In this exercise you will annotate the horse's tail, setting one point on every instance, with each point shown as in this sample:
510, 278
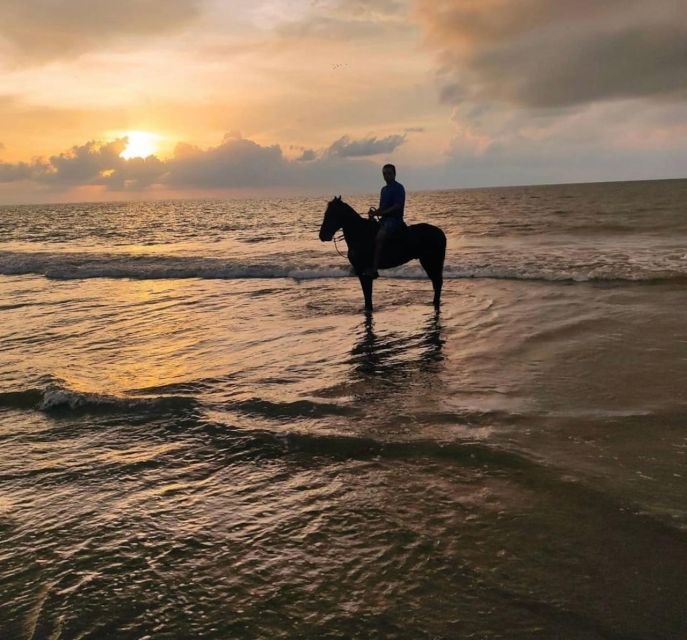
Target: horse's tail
441, 253
429, 244
431, 250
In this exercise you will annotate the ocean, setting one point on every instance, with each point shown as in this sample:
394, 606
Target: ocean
203, 435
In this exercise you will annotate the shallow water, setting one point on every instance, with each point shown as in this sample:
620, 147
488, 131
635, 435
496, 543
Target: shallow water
192, 450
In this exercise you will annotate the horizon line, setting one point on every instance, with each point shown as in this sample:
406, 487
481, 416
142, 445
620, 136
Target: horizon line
354, 194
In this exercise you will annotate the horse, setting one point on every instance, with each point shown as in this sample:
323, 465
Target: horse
424, 242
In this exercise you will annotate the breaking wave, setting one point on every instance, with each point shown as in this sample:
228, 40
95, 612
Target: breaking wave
56, 398
555, 268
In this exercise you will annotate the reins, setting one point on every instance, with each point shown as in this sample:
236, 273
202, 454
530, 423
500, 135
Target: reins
341, 237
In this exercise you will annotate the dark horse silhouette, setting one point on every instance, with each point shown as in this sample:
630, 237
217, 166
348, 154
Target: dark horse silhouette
422, 241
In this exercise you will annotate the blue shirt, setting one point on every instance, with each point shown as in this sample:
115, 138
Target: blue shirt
392, 194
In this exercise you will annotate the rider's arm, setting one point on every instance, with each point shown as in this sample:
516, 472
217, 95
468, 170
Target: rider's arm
389, 211
376, 211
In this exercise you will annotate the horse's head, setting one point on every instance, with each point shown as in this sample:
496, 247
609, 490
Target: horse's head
332, 219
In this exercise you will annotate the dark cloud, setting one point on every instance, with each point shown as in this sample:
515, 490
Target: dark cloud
92, 163
15, 172
242, 163
307, 155
37, 31
236, 163
346, 148
85, 164
134, 174
558, 53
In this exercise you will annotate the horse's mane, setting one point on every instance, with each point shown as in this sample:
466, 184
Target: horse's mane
338, 202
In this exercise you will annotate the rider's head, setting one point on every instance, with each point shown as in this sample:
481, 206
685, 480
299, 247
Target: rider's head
389, 172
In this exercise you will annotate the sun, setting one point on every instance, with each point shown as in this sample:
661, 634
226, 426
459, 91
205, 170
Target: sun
141, 144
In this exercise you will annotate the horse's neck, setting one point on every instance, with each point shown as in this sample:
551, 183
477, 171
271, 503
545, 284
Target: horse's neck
353, 225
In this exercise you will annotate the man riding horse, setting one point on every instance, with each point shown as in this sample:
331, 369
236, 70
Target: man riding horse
369, 248
392, 201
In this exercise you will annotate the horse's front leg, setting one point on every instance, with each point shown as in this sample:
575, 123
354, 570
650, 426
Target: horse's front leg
366, 284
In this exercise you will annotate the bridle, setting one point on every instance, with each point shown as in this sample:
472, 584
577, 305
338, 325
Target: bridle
341, 237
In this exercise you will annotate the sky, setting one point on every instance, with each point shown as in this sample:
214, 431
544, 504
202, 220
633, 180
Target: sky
143, 99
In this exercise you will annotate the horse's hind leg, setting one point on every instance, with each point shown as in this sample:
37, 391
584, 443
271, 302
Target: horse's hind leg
435, 270
366, 284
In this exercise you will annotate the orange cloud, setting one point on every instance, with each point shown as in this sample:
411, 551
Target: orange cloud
37, 31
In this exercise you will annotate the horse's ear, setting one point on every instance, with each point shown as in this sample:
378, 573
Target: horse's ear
339, 197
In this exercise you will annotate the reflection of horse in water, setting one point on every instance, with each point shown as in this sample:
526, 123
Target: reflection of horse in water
394, 356
422, 241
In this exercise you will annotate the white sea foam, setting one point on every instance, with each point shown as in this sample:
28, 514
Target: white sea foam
547, 266
58, 398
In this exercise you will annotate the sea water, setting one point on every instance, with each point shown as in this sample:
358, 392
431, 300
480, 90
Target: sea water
203, 434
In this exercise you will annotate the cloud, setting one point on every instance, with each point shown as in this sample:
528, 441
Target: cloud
234, 164
10, 172
346, 19
37, 31
346, 148
93, 163
134, 174
553, 90
85, 164
593, 144
245, 164
307, 156
550, 54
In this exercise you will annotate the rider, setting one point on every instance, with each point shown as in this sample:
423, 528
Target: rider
392, 201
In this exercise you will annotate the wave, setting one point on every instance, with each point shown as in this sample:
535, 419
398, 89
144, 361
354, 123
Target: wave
618, 275
26, 399
78, 266
56, 398
293, 409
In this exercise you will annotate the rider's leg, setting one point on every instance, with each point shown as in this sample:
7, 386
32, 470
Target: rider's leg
379, 245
